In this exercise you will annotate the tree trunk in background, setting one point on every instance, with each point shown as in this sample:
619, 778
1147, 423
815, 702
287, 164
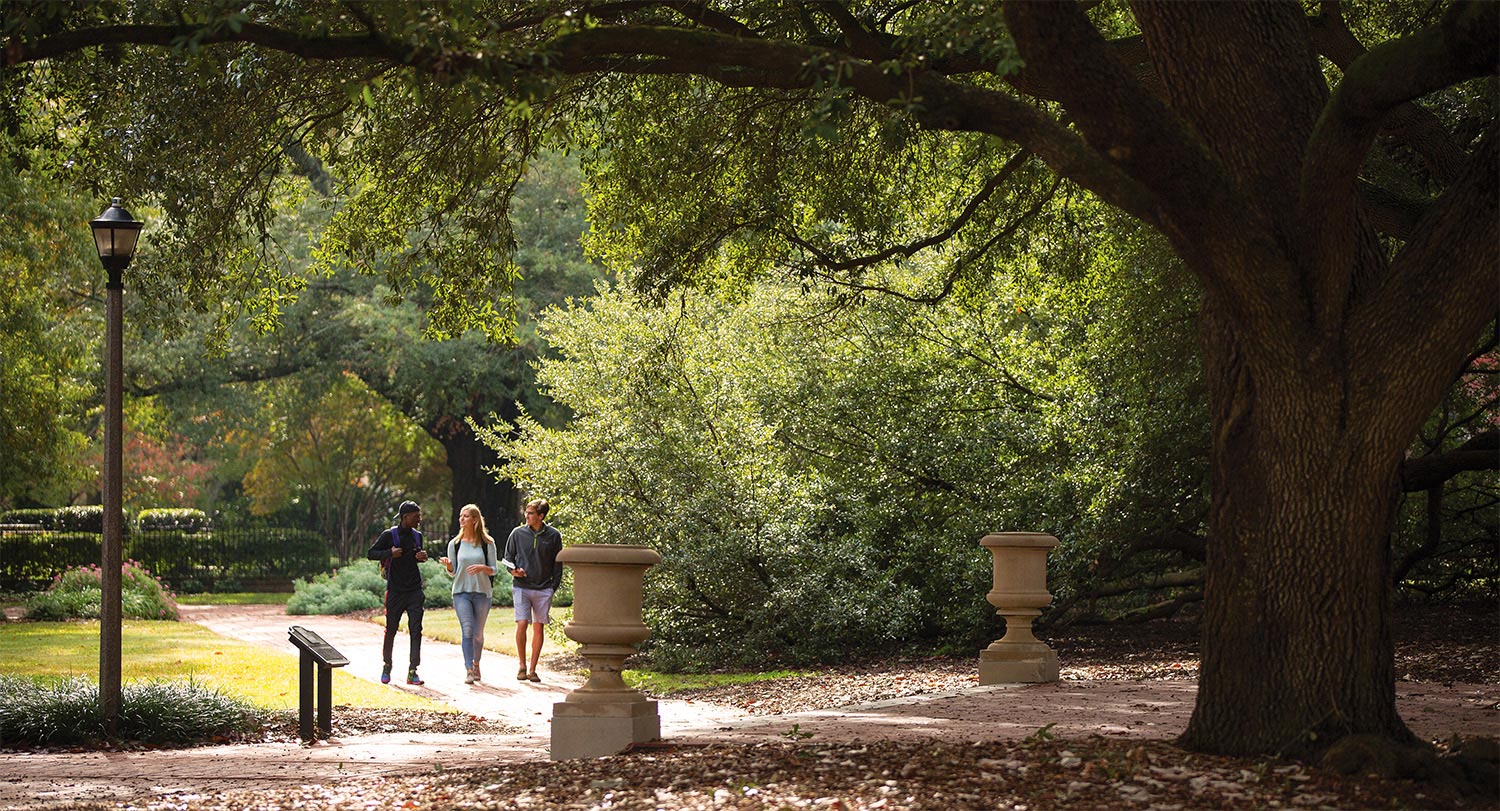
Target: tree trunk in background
498, 501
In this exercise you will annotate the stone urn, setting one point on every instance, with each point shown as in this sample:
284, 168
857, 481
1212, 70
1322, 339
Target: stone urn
1019, 593
605, 716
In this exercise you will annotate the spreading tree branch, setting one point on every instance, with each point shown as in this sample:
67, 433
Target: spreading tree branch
1463, 46
1482, 452
1449, 269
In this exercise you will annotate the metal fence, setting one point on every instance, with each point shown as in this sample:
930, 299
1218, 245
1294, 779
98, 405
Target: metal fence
249, 558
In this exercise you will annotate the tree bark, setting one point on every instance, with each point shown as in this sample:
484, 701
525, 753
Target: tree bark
1297, 648
498, 500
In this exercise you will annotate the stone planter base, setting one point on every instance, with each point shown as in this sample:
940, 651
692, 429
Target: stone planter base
1016, 667
598, 729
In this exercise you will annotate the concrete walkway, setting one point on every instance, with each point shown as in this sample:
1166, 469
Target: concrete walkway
498, 697
1141, 709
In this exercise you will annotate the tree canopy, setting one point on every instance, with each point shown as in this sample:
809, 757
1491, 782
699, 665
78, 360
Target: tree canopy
1330, 184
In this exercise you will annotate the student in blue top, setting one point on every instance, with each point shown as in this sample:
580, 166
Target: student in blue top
472, 561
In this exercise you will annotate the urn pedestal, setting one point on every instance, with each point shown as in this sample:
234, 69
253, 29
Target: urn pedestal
1019, 594
604, 716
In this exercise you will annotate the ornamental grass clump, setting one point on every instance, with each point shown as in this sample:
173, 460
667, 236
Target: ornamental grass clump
50, 711
78, 594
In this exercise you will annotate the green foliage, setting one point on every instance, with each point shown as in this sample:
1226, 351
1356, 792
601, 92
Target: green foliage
359, 586
253, 552
184, 519
47, 358
78, 594
190, 560
796, 733
50, 711
31, 560
437, 584
817, 477
355, 587
329, 440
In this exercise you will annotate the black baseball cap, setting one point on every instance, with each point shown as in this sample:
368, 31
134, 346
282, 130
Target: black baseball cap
408, 507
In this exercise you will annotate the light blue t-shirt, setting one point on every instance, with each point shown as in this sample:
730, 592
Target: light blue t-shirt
466, 555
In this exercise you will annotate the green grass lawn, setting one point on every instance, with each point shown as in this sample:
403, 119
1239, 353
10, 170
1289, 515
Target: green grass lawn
499, 629
236, 598
267, 678
664, 684
500, 637
173, 650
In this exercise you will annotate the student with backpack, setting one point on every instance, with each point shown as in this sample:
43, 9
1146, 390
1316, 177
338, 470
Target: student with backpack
471, 561
399, 550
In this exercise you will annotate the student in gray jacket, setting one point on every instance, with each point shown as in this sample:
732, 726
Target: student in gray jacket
531, 558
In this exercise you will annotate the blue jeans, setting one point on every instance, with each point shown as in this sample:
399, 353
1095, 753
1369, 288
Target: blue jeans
473, 608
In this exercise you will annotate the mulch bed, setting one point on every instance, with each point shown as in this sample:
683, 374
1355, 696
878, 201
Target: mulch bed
1018, 776
1444, 644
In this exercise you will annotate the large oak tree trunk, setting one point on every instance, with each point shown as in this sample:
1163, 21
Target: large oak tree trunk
1297, 648
497, 500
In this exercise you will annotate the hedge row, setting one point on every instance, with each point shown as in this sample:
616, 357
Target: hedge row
201, 561
62, 519
91, 519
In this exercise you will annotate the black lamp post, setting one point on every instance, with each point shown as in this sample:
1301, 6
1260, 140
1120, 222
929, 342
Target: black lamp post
115, 234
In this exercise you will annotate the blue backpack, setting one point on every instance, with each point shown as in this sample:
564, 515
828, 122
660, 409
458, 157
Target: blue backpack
385, 565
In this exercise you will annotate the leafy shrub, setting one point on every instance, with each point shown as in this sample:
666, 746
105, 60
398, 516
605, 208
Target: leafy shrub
359, 587
501, 594
437, 583
40, 518
35, 710
257, 552
189, 585
78, 593
186, 520
355, 587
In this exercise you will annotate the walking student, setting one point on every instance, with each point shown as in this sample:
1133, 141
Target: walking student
399, 549
531, 558
471, 559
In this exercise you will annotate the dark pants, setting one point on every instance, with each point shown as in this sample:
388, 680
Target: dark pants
410, 604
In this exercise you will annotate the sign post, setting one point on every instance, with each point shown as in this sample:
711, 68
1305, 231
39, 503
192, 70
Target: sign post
315, 650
